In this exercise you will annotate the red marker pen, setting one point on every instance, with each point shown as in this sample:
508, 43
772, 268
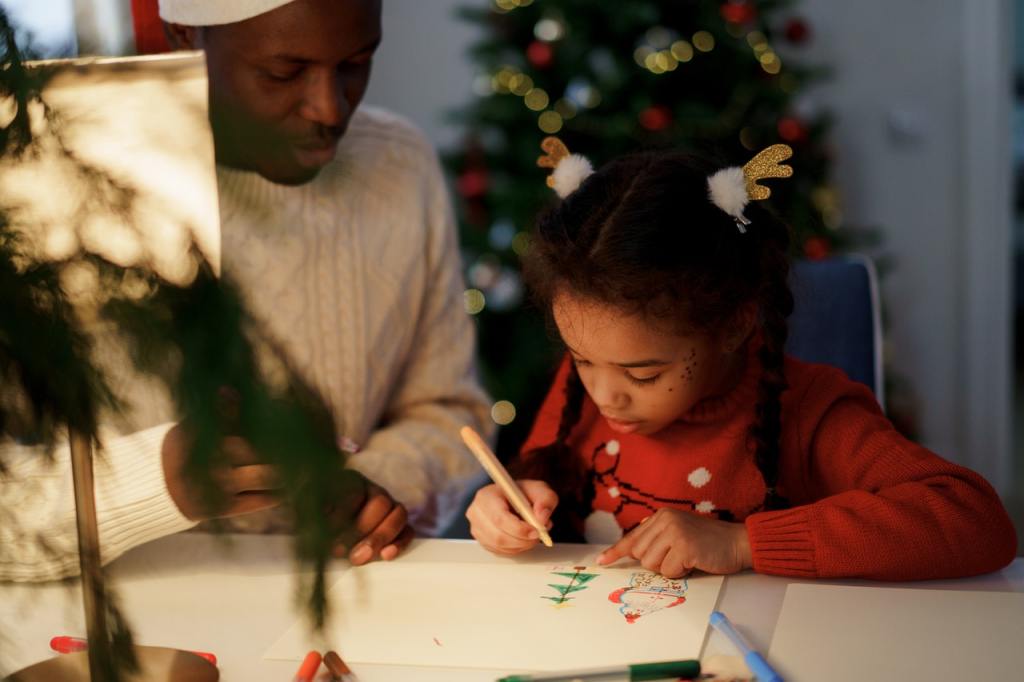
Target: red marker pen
69, 645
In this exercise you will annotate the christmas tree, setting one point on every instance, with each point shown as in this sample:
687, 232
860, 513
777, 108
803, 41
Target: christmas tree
723, 78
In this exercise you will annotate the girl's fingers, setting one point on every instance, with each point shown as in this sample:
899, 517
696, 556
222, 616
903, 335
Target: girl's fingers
495, 510
542, 498
654, 556
620, 549
675, 565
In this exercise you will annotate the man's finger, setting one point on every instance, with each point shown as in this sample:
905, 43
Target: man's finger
377, 507
238, 451
252, 478
401, 542
384, 534
250, 502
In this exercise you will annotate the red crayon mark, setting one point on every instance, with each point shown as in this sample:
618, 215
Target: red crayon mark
437, 642
68, 645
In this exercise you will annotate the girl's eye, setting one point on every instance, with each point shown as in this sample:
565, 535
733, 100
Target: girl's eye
579, 362
643, 381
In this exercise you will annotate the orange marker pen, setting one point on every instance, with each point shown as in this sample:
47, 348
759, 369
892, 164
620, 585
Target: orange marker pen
310, 664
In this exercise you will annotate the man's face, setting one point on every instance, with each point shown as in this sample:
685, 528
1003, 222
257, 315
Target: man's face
284, 84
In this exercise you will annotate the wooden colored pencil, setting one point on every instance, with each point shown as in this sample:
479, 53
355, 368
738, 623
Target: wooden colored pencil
499, 475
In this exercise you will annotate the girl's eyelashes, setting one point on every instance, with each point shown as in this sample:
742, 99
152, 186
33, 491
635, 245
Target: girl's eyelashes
638, 381
643, 381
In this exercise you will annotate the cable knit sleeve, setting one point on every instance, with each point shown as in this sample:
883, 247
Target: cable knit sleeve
868, 503
417, 454
38, 537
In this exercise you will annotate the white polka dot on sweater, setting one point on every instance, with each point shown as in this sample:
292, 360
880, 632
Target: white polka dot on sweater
705, 507
613, 491
612, 448
699, 477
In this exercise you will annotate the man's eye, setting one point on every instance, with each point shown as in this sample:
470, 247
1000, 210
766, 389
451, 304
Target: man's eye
282, 76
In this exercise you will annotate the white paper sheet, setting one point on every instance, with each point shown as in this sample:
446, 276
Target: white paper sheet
851, 634
526, 617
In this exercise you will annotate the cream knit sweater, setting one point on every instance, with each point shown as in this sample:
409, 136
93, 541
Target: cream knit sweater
357, 274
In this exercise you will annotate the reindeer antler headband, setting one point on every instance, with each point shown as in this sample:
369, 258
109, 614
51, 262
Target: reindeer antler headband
730, 189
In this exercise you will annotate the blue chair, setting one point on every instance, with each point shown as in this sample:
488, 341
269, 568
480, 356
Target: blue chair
836, 318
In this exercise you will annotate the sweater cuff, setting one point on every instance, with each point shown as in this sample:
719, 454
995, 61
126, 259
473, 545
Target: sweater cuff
781, 543
133, 505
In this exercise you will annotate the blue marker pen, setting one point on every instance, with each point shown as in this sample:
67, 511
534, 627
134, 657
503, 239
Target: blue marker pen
755, 661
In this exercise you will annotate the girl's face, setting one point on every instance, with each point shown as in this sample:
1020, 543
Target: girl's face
641, 377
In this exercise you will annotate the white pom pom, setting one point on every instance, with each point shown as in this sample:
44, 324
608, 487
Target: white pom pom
570, 173
728, 191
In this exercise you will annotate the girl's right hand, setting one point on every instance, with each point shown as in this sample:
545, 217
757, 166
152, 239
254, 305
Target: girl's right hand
498, 528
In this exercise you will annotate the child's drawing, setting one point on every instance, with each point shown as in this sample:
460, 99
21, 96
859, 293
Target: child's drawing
577, 581
647, 593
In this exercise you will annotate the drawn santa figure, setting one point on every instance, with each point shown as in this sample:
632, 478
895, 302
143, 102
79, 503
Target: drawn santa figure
646, 594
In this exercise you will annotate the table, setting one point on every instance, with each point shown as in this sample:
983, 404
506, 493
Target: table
233, 595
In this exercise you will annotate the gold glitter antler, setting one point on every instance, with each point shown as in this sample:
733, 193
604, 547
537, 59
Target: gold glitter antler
555, 150
767, 164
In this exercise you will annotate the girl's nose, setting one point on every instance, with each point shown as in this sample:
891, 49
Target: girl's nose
608, 395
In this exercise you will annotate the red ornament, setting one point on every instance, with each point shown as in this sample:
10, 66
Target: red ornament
817, 248
797, 31
792, 129
656, 118
473, 183
738, 11
540, 54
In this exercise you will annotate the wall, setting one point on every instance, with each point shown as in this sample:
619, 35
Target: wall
421, 69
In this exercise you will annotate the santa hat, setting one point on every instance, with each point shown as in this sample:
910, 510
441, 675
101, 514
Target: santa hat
213, 12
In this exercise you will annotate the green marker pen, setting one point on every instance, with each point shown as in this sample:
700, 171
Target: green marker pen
687, 670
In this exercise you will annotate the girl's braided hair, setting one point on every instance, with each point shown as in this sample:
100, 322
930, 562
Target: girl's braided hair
642, 235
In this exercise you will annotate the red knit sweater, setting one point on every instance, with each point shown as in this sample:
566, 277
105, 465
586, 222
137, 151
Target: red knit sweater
866, 502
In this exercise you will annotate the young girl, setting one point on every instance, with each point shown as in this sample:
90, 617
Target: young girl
679, 431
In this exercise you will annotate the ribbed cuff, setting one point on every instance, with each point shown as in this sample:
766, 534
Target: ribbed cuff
781, 543
132, 502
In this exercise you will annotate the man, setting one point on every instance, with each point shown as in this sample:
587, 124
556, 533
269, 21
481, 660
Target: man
336, 225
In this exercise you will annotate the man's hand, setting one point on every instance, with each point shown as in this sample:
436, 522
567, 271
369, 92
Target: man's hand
674, 542
499, 529
382, 528
244, 483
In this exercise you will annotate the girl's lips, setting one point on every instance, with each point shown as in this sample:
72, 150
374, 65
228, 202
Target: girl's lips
622, 426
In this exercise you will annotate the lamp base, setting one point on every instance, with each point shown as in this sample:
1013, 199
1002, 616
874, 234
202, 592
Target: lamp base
156, 664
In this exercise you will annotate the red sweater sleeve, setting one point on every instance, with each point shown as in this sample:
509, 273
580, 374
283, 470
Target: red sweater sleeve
869, 503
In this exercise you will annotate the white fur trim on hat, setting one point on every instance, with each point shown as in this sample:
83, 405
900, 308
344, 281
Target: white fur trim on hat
214, 12
570, 174
728, 191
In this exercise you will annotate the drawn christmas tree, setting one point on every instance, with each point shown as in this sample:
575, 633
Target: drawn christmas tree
577, 581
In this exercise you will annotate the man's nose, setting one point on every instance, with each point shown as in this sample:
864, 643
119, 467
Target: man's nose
324, 99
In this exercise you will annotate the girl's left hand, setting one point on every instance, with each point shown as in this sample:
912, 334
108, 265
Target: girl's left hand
674, 542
